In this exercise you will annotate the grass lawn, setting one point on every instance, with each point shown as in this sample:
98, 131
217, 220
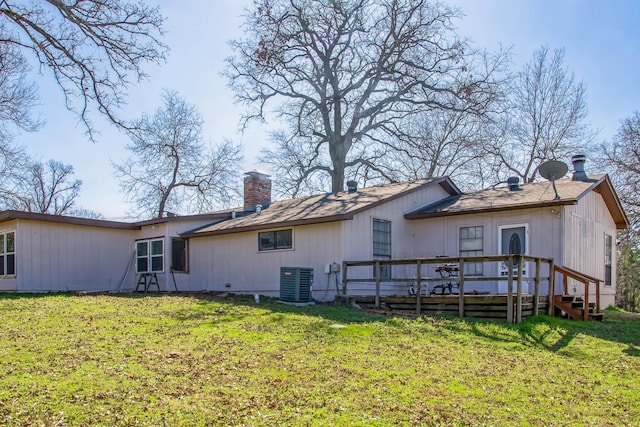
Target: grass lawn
206, 361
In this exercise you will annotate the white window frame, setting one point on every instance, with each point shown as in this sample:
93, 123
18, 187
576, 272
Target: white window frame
478, 267
4, 254
149, 255
504, 269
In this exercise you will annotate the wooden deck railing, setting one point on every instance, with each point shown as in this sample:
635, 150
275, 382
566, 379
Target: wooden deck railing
517, 261
569, 273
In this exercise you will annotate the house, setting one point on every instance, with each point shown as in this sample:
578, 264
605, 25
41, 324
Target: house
55, 253
242, 250
577, 228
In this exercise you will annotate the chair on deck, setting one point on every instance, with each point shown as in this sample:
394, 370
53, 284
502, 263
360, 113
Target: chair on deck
450, 279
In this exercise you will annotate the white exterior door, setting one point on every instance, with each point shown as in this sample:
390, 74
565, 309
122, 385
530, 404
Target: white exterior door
512, 240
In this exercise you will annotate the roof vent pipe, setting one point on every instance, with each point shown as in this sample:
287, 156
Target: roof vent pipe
512, 182
578, 168
352, 186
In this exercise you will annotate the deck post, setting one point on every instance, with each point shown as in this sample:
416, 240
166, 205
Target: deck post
461, 288
552, 287
510, 289
585, 311
536, 291
419, 286
519, 290
344, 278
598, 296
377, 300
565, 284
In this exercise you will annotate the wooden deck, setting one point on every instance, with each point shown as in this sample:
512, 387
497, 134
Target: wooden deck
481, 306
512, 306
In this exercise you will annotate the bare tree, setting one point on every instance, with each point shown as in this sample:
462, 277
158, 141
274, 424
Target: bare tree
545, 120
44, 188
345, 74
438, 143
94, 49
33, 186
171, 169
621, 157
12, 158
17, 94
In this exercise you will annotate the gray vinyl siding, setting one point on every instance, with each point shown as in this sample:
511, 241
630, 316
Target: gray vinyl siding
586, 226
61, 257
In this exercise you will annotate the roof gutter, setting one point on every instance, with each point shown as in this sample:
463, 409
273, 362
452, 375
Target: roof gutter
257, 227
62, 219
437, 214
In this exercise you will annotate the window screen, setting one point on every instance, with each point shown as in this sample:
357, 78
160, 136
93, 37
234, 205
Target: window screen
382, 246
179, 255
471, 244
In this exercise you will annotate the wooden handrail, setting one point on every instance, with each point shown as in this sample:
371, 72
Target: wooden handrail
443, 260
585, 279
574, 274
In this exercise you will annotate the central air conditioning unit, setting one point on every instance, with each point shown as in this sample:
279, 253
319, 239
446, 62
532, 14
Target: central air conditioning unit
296, 284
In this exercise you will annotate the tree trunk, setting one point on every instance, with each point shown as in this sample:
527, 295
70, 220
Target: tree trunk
338, 149
337, 178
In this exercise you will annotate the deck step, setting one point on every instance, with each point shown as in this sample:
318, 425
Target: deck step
573, 307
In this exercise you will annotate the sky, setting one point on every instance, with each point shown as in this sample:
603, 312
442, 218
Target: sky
601, 42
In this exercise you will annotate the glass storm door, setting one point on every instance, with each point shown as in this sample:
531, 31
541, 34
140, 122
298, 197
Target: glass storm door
513, 241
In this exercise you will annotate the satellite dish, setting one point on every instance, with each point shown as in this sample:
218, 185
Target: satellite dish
552, 170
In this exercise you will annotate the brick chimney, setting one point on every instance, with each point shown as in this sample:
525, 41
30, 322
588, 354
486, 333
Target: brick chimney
257, 190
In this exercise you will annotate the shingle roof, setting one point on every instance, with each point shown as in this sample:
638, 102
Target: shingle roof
9, 215
318, 209
532, 195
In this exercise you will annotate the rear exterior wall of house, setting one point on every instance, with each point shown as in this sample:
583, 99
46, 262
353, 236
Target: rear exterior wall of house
237, 263
442, 237
358, 239
53, 257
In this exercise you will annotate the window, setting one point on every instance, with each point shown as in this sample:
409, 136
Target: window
382, 246
149, 256
608, 259
274, 240
7, 253
471, 244
179, 255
